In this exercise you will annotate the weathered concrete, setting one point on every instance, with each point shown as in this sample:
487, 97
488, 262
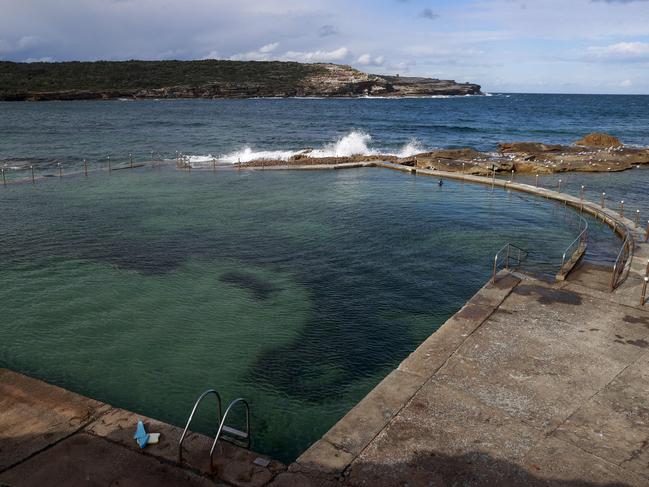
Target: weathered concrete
50, 436
85, 460
35, 415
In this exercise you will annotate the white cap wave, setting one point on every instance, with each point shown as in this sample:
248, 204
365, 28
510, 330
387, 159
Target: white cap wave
355, 143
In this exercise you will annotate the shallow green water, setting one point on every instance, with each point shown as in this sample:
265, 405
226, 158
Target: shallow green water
297, 290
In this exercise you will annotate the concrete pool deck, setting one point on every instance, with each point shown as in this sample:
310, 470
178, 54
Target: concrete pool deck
530, 383
50, 436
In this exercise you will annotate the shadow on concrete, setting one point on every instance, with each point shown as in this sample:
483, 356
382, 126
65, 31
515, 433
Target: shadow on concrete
87, 460
480, 469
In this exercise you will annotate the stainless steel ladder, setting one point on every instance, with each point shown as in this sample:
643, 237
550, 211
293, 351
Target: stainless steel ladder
507, 249
226, 433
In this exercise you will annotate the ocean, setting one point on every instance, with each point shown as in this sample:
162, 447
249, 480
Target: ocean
297, 290
44, 134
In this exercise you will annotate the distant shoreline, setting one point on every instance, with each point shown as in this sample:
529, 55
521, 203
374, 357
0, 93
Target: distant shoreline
209, 79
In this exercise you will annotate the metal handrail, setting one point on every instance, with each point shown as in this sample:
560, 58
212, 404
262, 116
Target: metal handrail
191, 417
222, 425
508, 256
622, 258
582, 239
643, 295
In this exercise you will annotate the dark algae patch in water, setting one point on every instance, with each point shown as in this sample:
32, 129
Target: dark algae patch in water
261, 289
298, 291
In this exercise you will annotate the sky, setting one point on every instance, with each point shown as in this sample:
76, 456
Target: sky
535, 46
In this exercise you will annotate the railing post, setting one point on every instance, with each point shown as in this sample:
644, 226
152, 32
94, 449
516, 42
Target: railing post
622, 208
493, 278
507, 259
152, 156
512, 175
85, 167
537, 180
643, 297
130, 156
213, 163
603, 200
109, 166
646, 235
60, 170
4, 180
637, 218
559, 185
32, 168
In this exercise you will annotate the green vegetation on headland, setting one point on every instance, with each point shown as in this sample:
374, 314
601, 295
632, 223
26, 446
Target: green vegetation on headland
205, 79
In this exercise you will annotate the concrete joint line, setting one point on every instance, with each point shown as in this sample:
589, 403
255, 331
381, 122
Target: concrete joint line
94, 417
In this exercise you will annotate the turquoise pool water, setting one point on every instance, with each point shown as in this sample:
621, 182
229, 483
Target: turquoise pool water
297, 290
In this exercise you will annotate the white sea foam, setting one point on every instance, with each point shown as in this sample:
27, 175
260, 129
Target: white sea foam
355, 143
247, 155
413, 147
201, 159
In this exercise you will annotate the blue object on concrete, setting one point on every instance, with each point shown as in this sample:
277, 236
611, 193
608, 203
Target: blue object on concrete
141, 435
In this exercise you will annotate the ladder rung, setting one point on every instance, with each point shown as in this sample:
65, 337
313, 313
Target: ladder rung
235, 432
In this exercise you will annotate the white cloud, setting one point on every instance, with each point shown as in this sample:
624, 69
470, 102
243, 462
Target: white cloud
620, 52
368, 60
46, 59
268, 52
269, 47
627, 83
318, 56
262, 54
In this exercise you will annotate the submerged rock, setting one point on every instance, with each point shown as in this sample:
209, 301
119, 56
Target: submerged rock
599, 140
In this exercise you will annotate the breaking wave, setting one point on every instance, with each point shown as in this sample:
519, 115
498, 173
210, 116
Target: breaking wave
355, 143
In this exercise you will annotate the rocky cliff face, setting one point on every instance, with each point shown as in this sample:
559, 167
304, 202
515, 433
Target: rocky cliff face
323, 80
345, 81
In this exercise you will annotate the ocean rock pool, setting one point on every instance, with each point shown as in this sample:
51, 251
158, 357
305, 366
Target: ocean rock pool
297, 290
